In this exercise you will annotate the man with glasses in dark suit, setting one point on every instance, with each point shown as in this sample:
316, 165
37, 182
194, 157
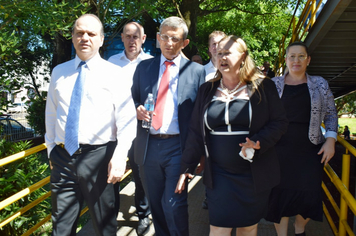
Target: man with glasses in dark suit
174, 82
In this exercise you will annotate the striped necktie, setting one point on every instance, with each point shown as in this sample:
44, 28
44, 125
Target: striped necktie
71, 142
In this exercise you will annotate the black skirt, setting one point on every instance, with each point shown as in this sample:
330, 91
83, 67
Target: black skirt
300, 189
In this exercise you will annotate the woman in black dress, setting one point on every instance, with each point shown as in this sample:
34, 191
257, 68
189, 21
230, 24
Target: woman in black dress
237, 120
303, 150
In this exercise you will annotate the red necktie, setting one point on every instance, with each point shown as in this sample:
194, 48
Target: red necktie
161, 97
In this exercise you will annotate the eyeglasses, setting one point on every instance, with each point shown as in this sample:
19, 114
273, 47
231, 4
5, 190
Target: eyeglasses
166, 38
300, 57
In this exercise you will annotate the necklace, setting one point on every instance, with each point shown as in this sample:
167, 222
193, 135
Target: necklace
228, 90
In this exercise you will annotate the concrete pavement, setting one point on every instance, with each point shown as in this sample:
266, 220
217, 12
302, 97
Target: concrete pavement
198, 217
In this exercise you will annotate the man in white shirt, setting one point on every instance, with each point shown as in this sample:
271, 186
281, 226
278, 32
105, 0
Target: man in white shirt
133, 37
211, 67
102, 138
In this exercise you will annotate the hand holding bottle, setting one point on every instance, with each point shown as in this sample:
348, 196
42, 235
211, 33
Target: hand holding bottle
149, 106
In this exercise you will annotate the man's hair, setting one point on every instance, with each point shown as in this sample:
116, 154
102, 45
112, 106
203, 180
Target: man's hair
216, 33
176, 23
95, 17
136, 24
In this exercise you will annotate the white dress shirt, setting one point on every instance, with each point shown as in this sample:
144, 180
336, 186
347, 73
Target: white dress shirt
170, 123
106, 112
122, 61
210, 71
128, 69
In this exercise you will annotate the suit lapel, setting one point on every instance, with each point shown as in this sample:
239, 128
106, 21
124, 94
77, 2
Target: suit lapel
182, 79
154, 73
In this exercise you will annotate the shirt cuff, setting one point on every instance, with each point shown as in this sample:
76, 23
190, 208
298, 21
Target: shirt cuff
331, 134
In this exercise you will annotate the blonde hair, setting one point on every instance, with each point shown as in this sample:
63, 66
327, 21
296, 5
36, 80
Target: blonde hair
249, 73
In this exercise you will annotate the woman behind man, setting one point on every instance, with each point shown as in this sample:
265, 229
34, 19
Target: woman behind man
236, 111
303, 150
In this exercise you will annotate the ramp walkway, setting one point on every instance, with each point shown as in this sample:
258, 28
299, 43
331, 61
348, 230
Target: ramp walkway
198, 217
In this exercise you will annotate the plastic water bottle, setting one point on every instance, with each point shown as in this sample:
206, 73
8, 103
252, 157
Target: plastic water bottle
150, 106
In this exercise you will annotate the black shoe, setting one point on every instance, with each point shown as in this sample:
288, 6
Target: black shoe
205, 203
143, 226
302, 234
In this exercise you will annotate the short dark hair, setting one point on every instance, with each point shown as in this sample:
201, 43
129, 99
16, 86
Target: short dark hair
298, 43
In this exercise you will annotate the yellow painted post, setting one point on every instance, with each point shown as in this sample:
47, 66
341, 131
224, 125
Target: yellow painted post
345, 177
313, 13
294, 33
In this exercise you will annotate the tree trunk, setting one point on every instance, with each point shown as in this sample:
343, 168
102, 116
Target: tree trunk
190, 11
62, 50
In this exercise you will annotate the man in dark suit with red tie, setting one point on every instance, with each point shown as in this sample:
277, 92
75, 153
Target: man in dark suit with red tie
174, 82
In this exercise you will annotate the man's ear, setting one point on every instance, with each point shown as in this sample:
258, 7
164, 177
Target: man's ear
102, 41
185, 42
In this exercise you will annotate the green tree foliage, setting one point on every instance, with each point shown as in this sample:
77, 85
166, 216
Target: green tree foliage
36, 115
260, 23
27, 32
346, 105
36, 32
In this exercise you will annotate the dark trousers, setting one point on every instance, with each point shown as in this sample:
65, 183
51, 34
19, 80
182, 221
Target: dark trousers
141, 201
161, 172
79, 178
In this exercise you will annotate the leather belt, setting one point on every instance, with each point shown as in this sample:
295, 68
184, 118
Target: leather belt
164, 136
83, 147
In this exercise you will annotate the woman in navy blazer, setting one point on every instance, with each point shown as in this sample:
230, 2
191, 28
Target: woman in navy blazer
238, 185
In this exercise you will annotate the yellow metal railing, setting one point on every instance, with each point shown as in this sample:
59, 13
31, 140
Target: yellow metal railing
347, 200
23, 193
296, 31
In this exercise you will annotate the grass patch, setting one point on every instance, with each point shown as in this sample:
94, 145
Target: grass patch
350, 122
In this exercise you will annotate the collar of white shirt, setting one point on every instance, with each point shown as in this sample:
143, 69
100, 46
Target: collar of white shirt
91, 63
176, 60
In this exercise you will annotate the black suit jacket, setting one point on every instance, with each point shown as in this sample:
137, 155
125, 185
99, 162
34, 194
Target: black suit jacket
145, 80
268, 124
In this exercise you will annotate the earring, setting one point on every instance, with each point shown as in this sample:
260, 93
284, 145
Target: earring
242, 64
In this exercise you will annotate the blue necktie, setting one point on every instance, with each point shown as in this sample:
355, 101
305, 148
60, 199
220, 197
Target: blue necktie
71, 131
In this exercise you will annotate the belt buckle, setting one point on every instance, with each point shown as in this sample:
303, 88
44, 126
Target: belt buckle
79, 151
